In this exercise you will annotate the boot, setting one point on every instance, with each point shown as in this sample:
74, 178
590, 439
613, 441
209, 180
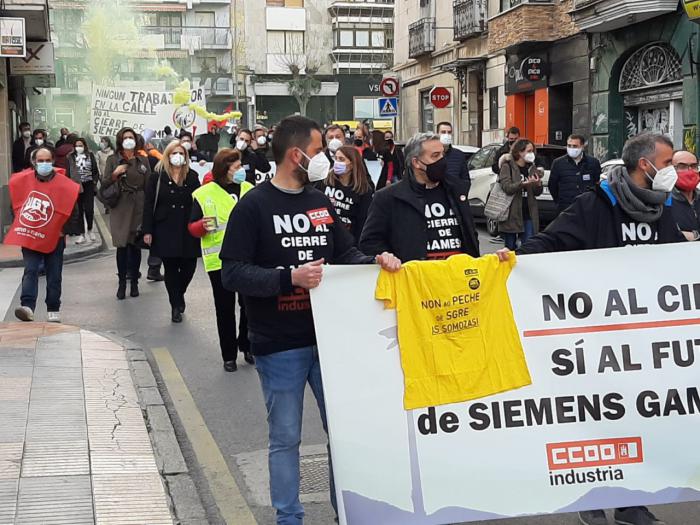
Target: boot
154, 274
134, 292
121, 291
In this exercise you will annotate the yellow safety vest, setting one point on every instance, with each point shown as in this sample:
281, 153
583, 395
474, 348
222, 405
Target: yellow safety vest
216, 202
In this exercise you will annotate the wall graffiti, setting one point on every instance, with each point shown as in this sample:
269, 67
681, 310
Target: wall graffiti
690, 139
631, 122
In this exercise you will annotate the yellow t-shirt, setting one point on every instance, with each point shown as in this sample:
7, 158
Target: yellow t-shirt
457, 334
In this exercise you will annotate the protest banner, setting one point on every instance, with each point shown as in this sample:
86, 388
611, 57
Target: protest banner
115, 107
610, 419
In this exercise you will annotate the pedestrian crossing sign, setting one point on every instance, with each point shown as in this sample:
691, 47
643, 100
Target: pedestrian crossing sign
388, 107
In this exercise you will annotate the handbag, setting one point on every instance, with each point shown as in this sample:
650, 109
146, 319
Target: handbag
139, 231
498, 204
109, 195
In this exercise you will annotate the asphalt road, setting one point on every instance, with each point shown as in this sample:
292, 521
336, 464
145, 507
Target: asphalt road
230, 404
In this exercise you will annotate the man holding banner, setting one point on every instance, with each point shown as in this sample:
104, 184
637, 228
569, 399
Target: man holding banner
631, 207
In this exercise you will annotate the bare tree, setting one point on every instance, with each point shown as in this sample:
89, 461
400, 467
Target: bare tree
303, 67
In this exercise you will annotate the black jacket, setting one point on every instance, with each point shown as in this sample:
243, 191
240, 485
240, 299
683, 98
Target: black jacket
18, 152
168, 222
686, 215
595, 220
457, 165
568, 180
399, 166
252, 160
396, 221
501, 151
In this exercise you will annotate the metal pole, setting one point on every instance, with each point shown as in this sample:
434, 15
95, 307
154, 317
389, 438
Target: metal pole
234, 53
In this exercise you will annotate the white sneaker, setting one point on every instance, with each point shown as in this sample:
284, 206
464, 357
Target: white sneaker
80, 239
53, 317
24, 313
91, 236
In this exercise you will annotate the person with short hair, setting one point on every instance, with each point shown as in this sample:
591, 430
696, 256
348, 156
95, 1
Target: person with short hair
213, 203
39, 139
83, 170
686, 205
260, 136
277, 240
512, 135
424, 216
20, 146
64, 136
252, 157
334, 140
456, 159
167, 138
573, 173
64, 150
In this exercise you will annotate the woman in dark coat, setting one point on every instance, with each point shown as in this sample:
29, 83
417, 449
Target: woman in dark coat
166, 217
131, 172
83, 169
519, 177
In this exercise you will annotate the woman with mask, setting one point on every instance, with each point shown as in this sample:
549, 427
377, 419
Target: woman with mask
82, 168
166, 215
520, 177
212, 206
362, 142
348, 188
686, 205
130, 171
105, 152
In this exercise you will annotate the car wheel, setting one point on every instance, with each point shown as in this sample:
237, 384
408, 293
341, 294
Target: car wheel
492, 227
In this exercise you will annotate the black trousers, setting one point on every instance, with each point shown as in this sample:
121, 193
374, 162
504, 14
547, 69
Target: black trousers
86, 206
225, 304
178, 276
129, 262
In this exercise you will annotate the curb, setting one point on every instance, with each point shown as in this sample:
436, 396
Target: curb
183, 497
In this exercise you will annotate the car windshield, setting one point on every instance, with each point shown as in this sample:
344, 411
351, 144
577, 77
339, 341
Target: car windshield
547, 155
481, 159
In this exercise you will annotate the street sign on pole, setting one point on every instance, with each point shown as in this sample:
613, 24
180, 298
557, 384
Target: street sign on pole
389, 86
388, 107
440, 97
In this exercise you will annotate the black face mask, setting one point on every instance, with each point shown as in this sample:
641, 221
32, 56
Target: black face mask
390, 143
436, 171
358, 142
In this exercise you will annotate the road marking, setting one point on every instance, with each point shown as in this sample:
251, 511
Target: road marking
232, 505
10, 279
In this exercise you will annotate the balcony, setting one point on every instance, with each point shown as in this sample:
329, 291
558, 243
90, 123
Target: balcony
469, 18
191, 37
597, 16
346, 61
362, 12
421, 37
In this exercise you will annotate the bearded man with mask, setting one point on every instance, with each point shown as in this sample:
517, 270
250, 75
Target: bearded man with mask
277, 240
686, 204
424, 216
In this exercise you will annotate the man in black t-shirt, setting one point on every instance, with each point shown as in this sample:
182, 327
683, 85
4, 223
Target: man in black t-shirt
277, 239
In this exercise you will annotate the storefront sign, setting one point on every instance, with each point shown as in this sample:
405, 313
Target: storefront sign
610, 420
38, 61
114, 108
692, 7
13, 39
526, 74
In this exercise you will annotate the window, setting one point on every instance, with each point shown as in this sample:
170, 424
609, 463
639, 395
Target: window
204, 19
427, 118
149, 19
377, 39
361, 38
346, 39
365, 108
285, 42
493, 108
285, 3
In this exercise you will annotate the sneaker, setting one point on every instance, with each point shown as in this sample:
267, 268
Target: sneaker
91, 237
53, 317
593, 517
636, 516
80, 239
24, 313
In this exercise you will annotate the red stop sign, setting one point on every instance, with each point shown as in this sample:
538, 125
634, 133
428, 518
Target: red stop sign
440, 97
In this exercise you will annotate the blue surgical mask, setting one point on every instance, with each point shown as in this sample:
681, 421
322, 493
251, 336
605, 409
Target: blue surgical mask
44, 168
339, 168
239, 176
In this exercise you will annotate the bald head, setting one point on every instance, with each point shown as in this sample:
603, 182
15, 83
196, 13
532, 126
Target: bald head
683, 160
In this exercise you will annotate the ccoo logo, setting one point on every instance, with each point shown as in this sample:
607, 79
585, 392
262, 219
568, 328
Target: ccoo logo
37, 210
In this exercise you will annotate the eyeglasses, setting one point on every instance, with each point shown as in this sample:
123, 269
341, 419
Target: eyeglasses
682, 166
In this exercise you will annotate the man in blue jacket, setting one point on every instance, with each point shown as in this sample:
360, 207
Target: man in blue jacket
573, 173
456, 159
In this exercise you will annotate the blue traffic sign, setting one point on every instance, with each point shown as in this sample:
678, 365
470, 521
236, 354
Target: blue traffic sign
388, 107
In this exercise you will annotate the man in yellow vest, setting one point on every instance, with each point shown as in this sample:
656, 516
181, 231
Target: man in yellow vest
213, 204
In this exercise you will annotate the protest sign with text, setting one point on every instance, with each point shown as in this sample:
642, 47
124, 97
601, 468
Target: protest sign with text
611, 418
116, 107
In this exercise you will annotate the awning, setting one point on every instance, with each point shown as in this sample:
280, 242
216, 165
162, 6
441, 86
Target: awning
161, 7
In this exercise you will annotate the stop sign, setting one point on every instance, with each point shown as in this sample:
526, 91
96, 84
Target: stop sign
440, 97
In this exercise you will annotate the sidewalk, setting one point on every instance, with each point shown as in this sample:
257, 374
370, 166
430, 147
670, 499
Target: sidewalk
11, 256
74, 448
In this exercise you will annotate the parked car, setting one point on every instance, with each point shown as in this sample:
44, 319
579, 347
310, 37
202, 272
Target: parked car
483, 178
467, 150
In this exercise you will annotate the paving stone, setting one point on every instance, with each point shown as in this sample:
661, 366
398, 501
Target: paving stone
121, 498
55, 500
15, 388
143, 375
58, 357
8, 500
150, 396
55, 458
185, 498
136, 355
119, 463
13, 415
168, 454
64, 341
10, 460
15, 371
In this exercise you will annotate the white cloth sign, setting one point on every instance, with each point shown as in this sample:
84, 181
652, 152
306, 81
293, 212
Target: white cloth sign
610, 420
114, 108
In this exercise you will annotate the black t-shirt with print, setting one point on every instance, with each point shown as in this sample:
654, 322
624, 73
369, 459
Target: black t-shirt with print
274, 229
443, 229
351, 207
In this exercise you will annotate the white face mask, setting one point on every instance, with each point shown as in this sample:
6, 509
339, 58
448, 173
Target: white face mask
79, 150
26, 134
574, 153
177, 159
262, 140
446, 139
664, 180
241, 145
334, 145
129, 144
39, 142
529, 157
187, 146
318, 167
104, 145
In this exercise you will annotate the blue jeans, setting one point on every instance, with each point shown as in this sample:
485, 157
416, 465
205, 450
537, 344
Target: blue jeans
511, 239
53, 262
283, 377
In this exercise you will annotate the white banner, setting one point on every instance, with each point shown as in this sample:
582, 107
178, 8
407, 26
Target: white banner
610, 420
114, 108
